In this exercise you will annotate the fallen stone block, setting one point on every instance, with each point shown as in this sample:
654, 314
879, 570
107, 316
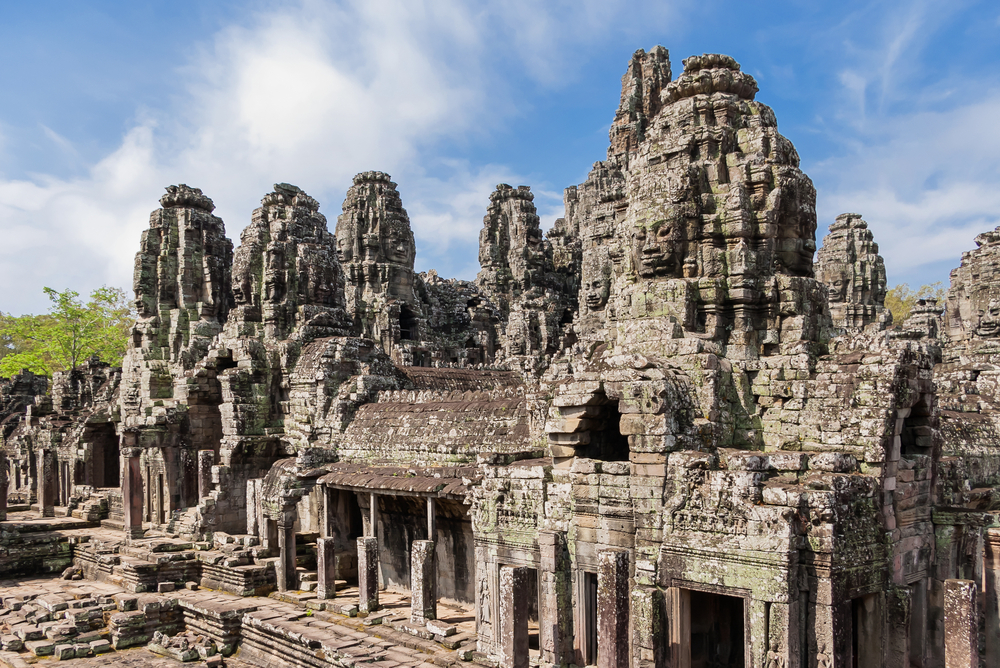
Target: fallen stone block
439, 628
63, 652
126, 603
11, 643
100, 646
40, 647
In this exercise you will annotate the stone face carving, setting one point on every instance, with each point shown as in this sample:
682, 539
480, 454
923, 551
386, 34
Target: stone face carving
285, 272
375, 245
971, 310
534, 295
854, 272
715, 223
181, 278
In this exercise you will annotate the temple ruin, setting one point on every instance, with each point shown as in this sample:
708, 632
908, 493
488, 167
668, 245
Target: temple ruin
658, 435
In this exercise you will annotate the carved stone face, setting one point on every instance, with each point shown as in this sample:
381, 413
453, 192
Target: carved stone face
656, 249
838, 288
989, 322
396, 246
596, 292
344, 251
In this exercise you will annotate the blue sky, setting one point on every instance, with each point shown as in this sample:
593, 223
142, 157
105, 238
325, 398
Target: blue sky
894, 108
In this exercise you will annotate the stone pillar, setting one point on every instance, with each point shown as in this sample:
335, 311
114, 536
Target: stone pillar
4, 484
555, 625
431, 519
132, 493
328, 524
373, 514
513, 617
649, 626
368, 574
254, 527
206, 459
286, 557
612, 609
961, 624
991, 598
47, 482
423, 582
679, 626
326, 568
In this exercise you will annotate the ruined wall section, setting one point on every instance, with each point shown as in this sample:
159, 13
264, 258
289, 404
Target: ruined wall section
642, 84
968, 376
75, 428
16, 394
854, 273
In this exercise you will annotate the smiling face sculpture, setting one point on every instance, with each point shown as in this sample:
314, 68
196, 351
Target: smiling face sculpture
657, 249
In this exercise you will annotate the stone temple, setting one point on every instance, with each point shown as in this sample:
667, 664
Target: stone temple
667, 432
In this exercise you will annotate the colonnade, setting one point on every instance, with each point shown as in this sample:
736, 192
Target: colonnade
423, 565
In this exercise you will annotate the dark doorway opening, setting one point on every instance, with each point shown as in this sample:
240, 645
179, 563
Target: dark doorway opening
916, 436
533, 618
105, 458
407, 324
866, 638
607, 442
590, 618
718, 636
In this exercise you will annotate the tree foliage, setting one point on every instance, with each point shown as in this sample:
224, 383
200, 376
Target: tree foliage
68, 334
900, 299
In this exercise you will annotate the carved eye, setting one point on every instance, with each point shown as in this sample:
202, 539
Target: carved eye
663, 232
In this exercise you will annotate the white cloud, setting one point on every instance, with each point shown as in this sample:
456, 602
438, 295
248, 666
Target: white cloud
925, 182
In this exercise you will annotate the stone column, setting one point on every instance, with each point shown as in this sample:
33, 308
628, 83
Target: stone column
373, 513
286, 557
206, 459
368, 574
649, 626
326, 568
431, 519
961, 624
555, 626
328, 524
254, 527
612, 609
423, 582
132, 493
4, 484
47, 481
991, 576
513, 617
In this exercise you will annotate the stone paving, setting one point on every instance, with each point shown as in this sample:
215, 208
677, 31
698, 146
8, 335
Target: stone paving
275, 634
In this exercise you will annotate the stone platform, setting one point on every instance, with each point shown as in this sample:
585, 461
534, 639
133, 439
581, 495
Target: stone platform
48, 618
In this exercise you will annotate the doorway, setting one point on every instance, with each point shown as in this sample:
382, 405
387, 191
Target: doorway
590, 618
718, 635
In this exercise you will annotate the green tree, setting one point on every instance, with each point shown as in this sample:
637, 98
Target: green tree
69, 333
900, 298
